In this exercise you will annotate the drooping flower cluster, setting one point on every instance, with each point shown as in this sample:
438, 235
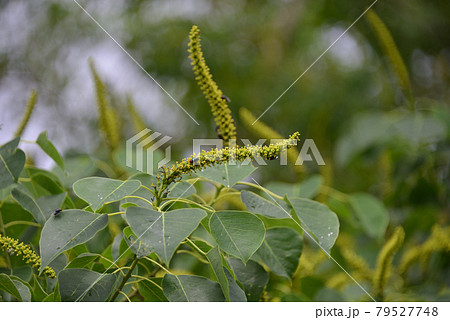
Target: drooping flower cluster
31, 103
108, 119
13, 246
226, 128
439, 240
384, 261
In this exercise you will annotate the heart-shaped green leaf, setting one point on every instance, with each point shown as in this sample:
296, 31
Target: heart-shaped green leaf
163, 231
317, 219
85, 285
281, 251
66, 230
238, 233
187, 288
99, 191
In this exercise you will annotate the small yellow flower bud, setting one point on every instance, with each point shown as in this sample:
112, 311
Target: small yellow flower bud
13, 246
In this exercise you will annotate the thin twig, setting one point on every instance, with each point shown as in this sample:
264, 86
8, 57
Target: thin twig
125, 279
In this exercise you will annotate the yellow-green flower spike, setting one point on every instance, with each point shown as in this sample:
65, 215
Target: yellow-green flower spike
216, 156
338, 281
226, 128
390, 49
437, 241
12, 246
358, 264
136, 118
384, 262
108, 119
27, 114
263, 131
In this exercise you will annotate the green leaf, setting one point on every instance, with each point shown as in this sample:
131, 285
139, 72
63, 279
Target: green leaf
39, 293
317, 219
29, 204
76, 168
58, 264
252, 276
99, 191
47, 183
82, 260
238, 233
142, 193
226, 174
24, 273
50, 149
371, 129
270, 223
7, 285
66, 230
147, 181
139, 248
200, 243
75, 285
152, 291
49, 204
23, 287
12, 161
236, 293
305, 189
259, 205
163, 231
371, 212
310, 187
281, 251
42, 208
41, 182
181, 190
50, 298
122, 251
12, 211
215, 260
187, 288
119, 247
